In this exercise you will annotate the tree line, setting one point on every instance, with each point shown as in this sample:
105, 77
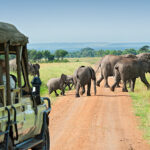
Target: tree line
47, 56
89, 52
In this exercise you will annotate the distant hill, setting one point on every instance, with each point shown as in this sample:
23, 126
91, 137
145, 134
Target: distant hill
77, 46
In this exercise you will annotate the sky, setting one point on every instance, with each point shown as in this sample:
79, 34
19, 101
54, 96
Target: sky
79, 20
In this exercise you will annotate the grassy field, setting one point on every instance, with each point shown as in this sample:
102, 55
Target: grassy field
90, 60
141, 104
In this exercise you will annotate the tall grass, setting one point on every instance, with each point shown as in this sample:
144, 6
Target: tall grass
141, 104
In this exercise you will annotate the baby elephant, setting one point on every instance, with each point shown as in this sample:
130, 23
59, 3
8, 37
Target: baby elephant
57, 83
83, 76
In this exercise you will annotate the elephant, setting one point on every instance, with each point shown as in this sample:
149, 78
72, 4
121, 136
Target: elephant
106, 66
69, 82
129, 69
33, 69
129, 56
57, 83
143, 56
83, 76
13, 66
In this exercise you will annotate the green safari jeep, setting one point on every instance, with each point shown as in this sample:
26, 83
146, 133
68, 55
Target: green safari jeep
24, 114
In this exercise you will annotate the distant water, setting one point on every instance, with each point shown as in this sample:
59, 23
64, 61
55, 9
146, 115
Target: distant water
78, 46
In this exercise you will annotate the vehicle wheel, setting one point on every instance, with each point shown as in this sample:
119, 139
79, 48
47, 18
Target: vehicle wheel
46, 143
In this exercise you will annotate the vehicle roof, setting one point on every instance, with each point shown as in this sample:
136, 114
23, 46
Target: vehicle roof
9, 33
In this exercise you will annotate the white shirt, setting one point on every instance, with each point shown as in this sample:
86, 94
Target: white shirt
12, 82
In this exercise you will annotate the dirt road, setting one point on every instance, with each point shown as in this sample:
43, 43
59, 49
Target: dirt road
102, 122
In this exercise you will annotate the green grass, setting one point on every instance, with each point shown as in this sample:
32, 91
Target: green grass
141, 104
90, 60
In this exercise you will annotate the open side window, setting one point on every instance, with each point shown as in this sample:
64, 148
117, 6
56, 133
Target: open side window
16, 82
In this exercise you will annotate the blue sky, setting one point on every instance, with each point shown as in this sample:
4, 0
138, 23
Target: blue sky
79, 20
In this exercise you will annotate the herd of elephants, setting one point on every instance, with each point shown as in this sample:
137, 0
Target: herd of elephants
125, 68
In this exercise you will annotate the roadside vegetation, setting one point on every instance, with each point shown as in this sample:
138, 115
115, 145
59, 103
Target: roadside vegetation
141, 104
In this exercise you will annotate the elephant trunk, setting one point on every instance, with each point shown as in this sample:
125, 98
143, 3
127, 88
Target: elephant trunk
94, 86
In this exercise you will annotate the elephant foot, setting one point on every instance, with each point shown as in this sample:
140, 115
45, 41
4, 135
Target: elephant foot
107, 86
88, 94
124, 90
82, 92
98, 84
132, 90
118, 86
77, 95
57, 95
112, 89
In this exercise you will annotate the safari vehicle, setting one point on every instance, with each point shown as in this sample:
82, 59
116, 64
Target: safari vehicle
23, 113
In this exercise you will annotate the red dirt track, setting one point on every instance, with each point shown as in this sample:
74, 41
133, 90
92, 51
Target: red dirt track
102, 122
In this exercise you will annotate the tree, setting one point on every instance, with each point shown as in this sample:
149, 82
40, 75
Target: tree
47, 55
144, 48
87, 52
60, 53
130, 51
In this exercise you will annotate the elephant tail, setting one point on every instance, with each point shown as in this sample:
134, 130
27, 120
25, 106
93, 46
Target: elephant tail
99, 65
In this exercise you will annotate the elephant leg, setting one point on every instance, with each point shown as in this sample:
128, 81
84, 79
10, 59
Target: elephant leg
63, 91
77, 89
106, 85
99, 81
69, 86
118, 84
56, 93
124, 89
132, 84
117, 81
83, 90
50, 91
88, 89
143, 79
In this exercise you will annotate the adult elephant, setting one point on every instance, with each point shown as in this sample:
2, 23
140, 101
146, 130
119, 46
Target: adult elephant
130, 69
83, 76
33, 69
57, 83
106, 66
143, 56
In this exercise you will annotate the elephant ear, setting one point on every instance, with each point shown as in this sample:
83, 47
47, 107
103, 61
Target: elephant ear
63, 77
92, 73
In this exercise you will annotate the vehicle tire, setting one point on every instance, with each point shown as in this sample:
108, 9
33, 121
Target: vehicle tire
46, 143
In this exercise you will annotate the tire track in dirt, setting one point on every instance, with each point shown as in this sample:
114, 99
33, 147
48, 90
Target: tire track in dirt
102, 122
